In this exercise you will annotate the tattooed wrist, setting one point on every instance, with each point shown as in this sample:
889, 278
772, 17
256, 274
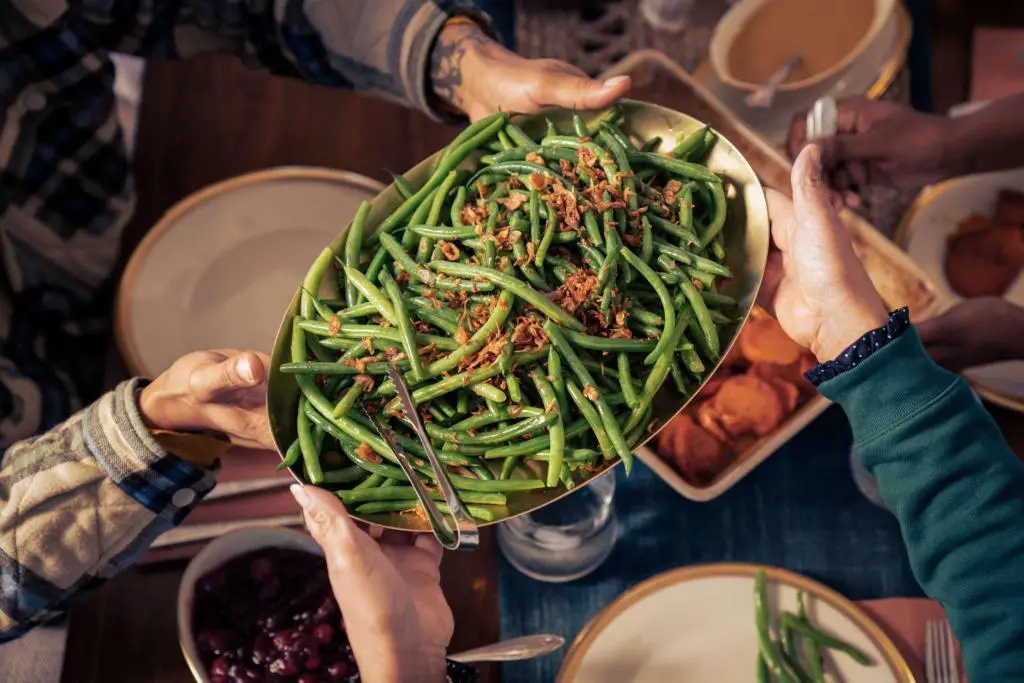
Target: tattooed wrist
448, 61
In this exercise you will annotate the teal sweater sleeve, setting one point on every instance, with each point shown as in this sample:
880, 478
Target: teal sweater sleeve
957, 489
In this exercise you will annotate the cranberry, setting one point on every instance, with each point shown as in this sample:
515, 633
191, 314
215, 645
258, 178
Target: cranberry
323, 633
312, 664
261, 569
220, 667
285, 666
340, 670
222, 641
263, 649
309, 678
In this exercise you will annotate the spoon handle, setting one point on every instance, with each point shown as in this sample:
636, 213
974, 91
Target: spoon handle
513, 650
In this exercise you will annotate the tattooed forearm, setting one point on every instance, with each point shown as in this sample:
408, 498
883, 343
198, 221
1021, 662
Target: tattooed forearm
446, 61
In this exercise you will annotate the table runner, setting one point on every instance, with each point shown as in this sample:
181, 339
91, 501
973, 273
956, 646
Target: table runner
799, 510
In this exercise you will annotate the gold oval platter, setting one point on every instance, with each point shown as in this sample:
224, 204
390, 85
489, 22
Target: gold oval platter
746, 237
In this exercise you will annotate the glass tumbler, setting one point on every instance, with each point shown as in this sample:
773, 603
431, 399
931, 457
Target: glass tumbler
566, 540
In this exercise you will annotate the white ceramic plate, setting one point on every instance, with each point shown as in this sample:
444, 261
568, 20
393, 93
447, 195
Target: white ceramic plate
923, 232
222, 264
697, 624
869, 74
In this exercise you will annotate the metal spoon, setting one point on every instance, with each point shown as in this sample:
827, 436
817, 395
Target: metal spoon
822, 119
512, 650
764, 96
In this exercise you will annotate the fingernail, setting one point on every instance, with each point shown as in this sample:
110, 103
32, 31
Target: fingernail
244, 369
301, 497
814, 159
617, 80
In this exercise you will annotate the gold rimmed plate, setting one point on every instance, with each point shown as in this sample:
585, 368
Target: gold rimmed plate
923, 233
746, 235
697, 624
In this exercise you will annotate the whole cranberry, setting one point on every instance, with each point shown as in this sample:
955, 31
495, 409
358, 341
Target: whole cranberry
263, 649
309, 678
340, 670
285, 640
220, 667
327, 609
222, 641
261, 569
323, 633
312, 664
285, 666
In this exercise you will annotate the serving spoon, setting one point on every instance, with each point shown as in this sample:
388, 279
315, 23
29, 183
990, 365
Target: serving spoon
512, 650
764, 96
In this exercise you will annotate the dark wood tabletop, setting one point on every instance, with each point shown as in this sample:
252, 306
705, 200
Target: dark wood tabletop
201, 122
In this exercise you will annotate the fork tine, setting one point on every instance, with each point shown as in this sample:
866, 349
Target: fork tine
954, 669
929, 652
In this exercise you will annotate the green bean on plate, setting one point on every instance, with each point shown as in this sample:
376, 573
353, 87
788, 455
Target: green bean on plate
509, 304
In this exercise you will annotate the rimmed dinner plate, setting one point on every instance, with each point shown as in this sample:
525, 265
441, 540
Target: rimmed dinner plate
222, 264
923, 234
697, 624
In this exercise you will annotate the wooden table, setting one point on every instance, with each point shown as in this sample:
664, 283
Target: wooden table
189, 137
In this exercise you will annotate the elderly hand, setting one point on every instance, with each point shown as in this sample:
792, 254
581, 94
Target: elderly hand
477, 76
815, 285
223, 390
975, 332
390, 595
880, 143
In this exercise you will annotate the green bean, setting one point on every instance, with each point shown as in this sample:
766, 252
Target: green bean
488, 392
687, 143
718, 217
592, 418
401, 492
506, 143
811, 650
592, 228
523, 168
516, 134
498, 316
419, 216
587, 341
353, 245
457, 204
375, 332
764, 639
404, 187
626, 380
656, 377
545, 242
688, 236
717, 300
405, 328
310, 452
824, 640
514, 285
515, 394
762, 670
703, 318
618, 134
363, 310
423, 273
372, 481
790, 659
526, 268
348, 400
503, 413
556, 430
449, 161
426, 245
291, 456
684, 169
376, 264
611, 425
507, 467
572, 455
666, 301
647, 317
536, 444
346, 475
443, 232
557, 379
651, 145
611, 171
380, 507
442, 318
690, 259
372, 294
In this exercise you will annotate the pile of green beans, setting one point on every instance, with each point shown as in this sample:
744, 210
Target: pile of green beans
536, 293
796, 657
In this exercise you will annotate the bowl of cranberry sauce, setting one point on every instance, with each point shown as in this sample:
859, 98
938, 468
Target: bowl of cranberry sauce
256, 606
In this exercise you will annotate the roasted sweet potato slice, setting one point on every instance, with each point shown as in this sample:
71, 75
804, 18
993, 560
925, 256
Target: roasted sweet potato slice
791, 374
710, 420
984, 262
763, 341
697, 455
747, 403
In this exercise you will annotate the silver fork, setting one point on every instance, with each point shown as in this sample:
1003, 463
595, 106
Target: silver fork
940, 653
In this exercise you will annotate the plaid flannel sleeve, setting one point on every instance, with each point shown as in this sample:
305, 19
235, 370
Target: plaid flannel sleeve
381, 47
81, 502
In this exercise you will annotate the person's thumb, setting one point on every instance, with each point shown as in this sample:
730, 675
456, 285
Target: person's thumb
220, 381
579, 92
812, 199
327, 521
846, 147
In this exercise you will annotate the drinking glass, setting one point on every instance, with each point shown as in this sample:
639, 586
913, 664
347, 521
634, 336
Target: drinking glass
566, 540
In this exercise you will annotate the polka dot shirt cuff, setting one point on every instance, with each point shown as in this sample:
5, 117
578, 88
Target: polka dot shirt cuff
860, 350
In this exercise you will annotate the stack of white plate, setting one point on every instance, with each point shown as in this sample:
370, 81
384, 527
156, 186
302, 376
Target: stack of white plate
869, 70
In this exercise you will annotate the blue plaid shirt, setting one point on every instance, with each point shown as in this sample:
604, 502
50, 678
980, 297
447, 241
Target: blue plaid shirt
82, 500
